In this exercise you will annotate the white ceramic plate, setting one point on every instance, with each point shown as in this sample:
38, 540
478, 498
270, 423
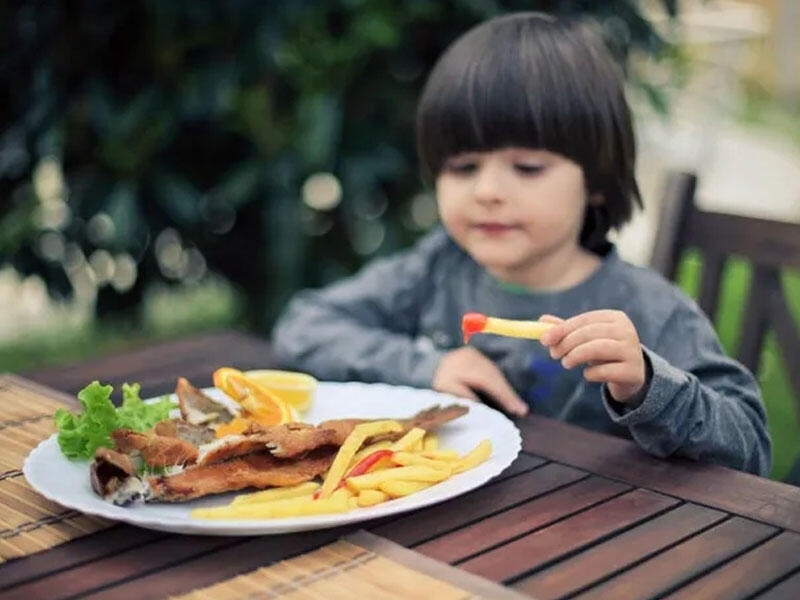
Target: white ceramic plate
67, 482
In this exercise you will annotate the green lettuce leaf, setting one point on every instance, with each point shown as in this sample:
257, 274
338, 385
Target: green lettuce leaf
135, 414
79, 435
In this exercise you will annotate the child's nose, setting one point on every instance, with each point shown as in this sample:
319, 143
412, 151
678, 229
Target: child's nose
489, 185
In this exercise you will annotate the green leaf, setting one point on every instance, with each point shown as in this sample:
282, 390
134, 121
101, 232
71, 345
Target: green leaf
80, 435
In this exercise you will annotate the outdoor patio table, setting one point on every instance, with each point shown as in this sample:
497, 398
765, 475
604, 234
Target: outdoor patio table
579, 514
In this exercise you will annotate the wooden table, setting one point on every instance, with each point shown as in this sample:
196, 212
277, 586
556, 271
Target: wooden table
579, 514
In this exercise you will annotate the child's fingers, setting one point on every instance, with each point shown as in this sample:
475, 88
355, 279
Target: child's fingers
616, 372
551, 319
601, 351
496, 386
587, 333
563, 328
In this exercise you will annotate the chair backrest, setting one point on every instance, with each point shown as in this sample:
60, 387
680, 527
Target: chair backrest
767, 245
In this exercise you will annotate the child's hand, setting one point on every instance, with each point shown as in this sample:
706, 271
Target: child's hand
604, 340
465, 370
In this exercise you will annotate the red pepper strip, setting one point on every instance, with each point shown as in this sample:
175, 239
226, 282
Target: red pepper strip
472, 323
363, 466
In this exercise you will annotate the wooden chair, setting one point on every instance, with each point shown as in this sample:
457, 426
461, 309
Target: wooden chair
769, 246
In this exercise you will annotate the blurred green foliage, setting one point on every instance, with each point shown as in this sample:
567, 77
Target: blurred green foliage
150, 142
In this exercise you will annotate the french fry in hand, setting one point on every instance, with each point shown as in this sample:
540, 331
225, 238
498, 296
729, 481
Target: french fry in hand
278, 493
473, 323
414, 473
398, 489
349, 448
473, 458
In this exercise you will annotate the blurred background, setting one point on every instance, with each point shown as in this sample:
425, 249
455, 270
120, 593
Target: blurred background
172, 167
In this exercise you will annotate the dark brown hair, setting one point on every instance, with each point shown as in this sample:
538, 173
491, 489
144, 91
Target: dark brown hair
531, 80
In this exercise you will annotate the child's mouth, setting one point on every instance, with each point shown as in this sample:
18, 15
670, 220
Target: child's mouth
494, 229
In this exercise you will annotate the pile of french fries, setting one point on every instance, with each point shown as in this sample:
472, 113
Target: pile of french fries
360, 476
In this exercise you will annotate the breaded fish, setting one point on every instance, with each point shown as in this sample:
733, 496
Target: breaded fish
198, 408
293, 439
259, 470
156, 450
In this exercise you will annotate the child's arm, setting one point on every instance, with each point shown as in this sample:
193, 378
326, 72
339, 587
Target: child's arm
697, 402
365, 327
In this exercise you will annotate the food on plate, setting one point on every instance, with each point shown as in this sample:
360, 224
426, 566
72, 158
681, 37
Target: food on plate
79, 435
258, 403
294, 388
177, 460
472, 323
378, 477
198, 408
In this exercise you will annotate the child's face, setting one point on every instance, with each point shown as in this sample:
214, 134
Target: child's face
514, 210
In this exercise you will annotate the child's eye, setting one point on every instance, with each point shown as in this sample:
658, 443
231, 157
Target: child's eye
461, 167
528, 169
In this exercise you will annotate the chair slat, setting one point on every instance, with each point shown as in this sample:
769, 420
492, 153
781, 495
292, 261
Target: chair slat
756, 317
788, 340
710, 283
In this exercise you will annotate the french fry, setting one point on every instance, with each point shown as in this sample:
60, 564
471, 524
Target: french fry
289, 507
371, 497
349, 448
279, 493
474, 457
430, 442
366, 450
448, 455
472, 323
373, 480
409, 458
397, 489
405, 443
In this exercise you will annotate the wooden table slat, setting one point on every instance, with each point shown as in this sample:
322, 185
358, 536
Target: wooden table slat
749, 573
434, 521
732, 491
82, 550
672, 568
539, 548
523, 518
787, 589
574, 574
129, 563
211, 567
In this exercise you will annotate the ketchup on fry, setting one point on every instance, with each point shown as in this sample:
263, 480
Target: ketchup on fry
363, 466
472, 323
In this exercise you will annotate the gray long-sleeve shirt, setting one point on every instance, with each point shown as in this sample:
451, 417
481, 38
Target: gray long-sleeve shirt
394, 320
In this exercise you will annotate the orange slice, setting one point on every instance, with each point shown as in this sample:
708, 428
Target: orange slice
236, 426
259, 404
295, 388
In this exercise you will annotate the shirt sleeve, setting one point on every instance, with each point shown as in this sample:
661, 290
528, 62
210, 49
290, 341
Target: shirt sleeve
700, 403
365, 327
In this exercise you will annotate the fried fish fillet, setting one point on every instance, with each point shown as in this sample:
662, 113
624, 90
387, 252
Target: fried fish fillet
156, 450
114, 477
258, 470
293, 439
198, 408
